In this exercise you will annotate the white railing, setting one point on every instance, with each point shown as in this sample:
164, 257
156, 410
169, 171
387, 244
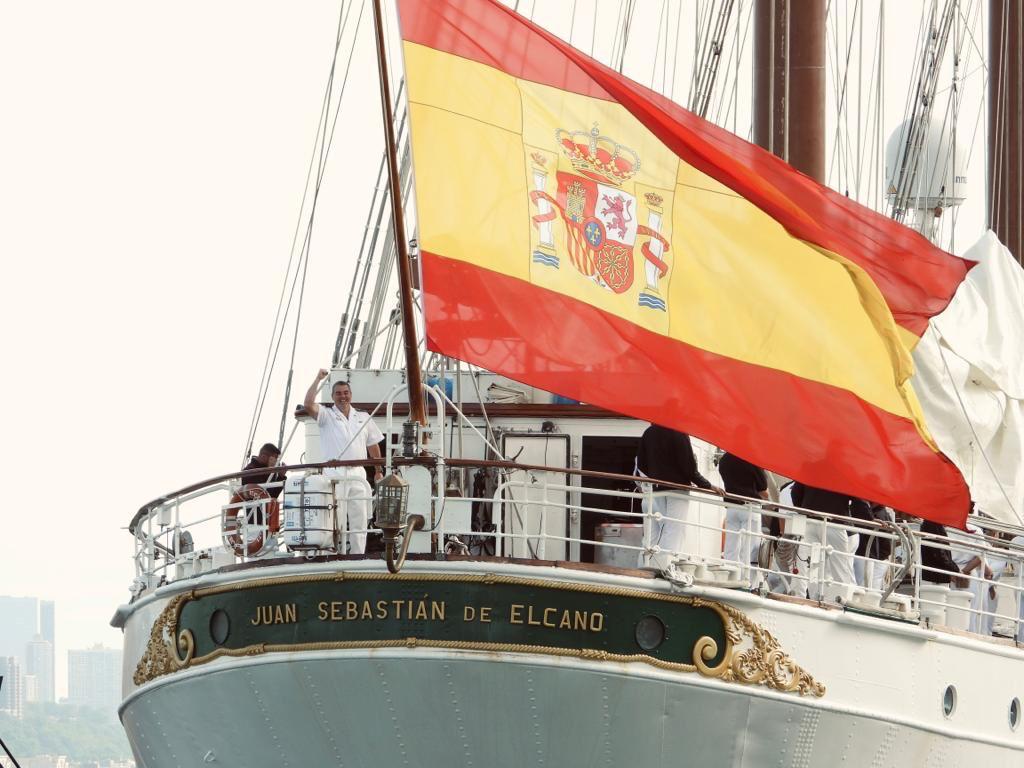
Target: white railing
815, 557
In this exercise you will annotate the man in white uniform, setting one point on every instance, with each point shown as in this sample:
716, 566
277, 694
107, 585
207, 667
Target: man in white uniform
974, 564
346, 434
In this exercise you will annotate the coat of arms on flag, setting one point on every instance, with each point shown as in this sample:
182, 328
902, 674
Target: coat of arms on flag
594, 217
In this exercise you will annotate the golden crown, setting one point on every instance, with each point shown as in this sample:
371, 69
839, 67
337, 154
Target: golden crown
597, 156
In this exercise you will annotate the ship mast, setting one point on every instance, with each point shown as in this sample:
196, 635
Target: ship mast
412, 360
1006, 123
789, 82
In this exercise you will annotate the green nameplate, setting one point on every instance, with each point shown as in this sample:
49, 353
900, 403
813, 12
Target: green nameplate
466, 612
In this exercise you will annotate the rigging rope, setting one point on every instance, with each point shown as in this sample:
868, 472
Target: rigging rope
267, 364
324, 153
350, 321
711, 56
911, 151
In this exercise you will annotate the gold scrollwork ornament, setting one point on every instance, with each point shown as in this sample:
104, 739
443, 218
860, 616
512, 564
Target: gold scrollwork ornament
161, 656
763, 662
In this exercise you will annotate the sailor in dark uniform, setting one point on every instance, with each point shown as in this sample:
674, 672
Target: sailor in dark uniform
742, 522
666, 454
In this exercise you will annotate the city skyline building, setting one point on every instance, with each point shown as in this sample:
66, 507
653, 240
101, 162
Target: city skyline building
12, 687
25, 622
40, 664
94, 677
48, 621
30, 688
19, 623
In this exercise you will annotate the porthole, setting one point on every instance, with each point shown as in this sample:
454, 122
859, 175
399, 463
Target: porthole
949, 701
220, 626
650, 632
1014, 713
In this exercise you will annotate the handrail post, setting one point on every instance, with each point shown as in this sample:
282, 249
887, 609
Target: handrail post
647, 507
544, 518
918, 570
1017, 604
823, 561
151, 565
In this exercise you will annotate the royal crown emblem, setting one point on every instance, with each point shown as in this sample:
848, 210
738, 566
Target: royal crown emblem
604, 222
598, 157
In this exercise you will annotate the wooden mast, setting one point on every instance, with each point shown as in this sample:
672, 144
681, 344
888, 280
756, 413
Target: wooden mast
789, 82
412, 359
1006, 122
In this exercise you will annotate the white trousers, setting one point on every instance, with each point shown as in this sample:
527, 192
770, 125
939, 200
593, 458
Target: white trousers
674, 533
351, 482
742, 535
870, 573
838, 564
979, 599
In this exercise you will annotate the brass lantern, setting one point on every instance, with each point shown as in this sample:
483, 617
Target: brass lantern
392, 505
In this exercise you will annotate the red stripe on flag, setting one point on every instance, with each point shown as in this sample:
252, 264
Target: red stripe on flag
559, 344
917, 279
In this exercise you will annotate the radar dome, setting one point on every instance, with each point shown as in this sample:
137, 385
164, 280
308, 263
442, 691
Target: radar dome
938, 178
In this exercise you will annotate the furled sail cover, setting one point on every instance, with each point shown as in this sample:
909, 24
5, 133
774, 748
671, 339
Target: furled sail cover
582, 234
970, 378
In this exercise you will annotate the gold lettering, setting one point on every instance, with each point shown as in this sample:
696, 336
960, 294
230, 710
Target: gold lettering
485, 614
321, 611
546, 624
409, 603
398, 608
290, 613
336, 610
351, 610
468, 613
566, 622
278, 615
256, 620
421, 610
436, 610
515, 614
579, 620
367, 611
529, 617
268, 614
382, 609
596, 622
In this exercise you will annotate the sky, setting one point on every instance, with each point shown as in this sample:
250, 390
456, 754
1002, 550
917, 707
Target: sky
153, 158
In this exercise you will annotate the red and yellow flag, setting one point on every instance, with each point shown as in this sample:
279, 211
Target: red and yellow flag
587, 236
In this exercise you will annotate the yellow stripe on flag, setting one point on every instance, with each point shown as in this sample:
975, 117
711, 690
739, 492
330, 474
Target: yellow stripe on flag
738, 284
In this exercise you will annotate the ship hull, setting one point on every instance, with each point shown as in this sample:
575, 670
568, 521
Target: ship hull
411, 704
429, 708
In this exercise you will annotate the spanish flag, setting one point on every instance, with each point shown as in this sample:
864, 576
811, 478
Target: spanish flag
584, 235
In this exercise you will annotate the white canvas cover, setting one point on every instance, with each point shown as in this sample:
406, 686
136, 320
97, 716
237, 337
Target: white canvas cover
970, 380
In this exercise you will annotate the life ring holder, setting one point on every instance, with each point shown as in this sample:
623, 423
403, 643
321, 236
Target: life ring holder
258, 515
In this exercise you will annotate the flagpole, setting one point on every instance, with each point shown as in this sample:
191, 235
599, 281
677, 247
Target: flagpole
412, 360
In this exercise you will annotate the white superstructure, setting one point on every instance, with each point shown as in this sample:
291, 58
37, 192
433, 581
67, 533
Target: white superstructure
276, 660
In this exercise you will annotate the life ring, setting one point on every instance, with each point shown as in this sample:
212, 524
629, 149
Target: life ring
263, 516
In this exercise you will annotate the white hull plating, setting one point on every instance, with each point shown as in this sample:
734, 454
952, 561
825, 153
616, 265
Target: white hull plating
426, 708
435, 707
